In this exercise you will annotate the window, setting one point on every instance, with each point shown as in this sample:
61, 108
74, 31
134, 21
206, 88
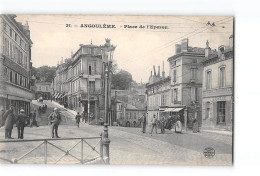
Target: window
15, 37
92, 85
5, 71
221, 106
91, 68
25, 82
4, 26
174, 75
11, 76
193, 73
163, 100
208, 80
222, 76
40, 87
175, 95
11, 50
15, 78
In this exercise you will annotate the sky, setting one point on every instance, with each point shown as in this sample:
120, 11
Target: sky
137, 49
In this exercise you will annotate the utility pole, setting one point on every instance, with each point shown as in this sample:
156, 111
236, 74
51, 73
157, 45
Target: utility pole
115, 104
88, 101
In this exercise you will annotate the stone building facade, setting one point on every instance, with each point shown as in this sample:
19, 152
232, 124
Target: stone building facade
218, 88
43, 89
181, 92
15, 63
82, 78
128, 115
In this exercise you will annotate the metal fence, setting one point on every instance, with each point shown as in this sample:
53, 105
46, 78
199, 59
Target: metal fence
53, 151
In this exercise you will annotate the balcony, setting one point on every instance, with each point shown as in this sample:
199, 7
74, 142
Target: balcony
177, 102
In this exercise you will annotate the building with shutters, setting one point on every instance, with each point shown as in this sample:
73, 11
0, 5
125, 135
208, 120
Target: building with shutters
218, 87
15, 64
181, 92
43, 89
80, 80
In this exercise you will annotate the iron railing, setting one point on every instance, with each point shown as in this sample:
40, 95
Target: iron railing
48, 155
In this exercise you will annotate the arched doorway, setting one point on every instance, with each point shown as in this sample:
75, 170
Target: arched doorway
134, 123
127, 124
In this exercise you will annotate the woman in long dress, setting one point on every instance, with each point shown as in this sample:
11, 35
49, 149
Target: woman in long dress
178, 126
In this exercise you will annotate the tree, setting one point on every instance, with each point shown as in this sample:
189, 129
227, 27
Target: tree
44, 73
122, 80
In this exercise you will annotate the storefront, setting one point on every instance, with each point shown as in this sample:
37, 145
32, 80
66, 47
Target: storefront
217, 112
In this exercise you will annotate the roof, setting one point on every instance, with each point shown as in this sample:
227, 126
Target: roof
162, 81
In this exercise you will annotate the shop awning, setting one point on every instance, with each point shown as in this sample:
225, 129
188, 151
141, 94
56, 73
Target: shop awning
173, 109
59, 96
177, 109
56, 96
169, 110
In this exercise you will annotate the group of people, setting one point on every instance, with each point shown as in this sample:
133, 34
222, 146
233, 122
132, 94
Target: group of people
42, 109
8, 119
174, 121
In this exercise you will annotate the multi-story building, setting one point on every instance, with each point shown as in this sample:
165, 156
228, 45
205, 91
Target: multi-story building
128, 115
217, 92
158, 94
82, 79
15, 63
183, 89
43, 89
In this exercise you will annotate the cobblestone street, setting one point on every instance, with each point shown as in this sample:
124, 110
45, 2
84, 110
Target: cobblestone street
129, 145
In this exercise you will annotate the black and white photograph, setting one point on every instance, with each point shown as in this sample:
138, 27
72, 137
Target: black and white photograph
117, 89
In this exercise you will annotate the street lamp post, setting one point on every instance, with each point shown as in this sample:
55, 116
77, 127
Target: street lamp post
105, 139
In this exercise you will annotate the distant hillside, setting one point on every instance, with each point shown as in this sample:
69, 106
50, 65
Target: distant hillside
44, 73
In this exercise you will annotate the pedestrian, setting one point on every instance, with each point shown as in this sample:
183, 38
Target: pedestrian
20, 123
178, 126
9, 120
33, 119
154, 124
40, 109
45, 106
77, 118
143, 121
54, 120
195, 125
2, 122
162, 122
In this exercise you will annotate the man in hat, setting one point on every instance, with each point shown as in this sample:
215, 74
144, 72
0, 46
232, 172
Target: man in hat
9, 120
54, 119
78, 117
20, 123
154, 124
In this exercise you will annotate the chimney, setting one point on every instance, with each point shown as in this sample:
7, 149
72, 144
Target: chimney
184, 45
207, 49
231, 41
154, 71
163, 72
159, 74
177, 48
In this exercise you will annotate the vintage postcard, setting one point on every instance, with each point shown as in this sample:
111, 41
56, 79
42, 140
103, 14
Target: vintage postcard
114, 89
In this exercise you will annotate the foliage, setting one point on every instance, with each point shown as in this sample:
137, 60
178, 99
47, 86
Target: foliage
44, 73
122, 80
